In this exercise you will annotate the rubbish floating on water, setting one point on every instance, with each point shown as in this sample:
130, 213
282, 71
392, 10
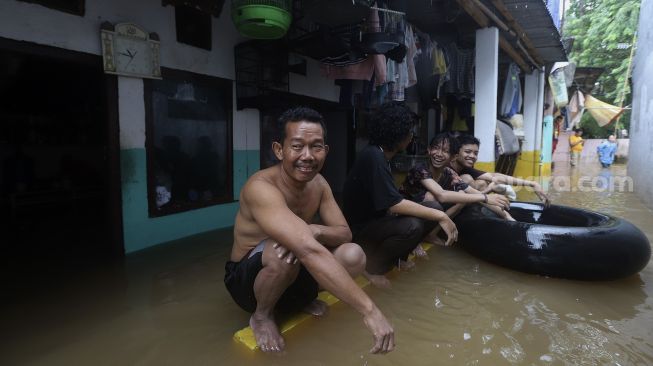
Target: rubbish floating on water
546, 358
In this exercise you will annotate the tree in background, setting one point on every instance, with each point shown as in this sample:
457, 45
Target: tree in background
603, 31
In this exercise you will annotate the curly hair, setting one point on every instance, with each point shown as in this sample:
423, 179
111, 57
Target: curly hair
298, 114
391, 124
446, 137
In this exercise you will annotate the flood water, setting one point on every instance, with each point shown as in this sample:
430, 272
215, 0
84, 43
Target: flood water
168, 306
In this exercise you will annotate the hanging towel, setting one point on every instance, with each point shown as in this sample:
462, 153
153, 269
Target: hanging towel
512, 98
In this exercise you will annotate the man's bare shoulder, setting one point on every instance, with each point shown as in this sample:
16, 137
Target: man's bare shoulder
320, 181
262, 178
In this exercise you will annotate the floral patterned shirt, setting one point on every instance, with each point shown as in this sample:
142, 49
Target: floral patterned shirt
413, 189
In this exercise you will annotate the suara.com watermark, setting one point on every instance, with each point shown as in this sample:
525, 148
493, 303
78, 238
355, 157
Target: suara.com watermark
585, 183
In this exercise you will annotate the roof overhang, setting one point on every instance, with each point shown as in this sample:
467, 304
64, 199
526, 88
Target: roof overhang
537, 24
585, 77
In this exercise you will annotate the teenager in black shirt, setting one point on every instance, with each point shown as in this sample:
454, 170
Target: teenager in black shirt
386, 225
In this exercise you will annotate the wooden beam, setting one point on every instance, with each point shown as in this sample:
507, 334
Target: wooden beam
474, 12
484, 22
501, 7
514, 55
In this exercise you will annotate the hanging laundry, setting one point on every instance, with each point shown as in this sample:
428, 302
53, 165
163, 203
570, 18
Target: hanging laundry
602, 112
506, 139
512, 98
411, 44
373, 64
427, 81
576, 108
461, 70
360, 71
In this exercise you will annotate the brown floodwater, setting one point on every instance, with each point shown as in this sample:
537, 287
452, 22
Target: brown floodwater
168, 306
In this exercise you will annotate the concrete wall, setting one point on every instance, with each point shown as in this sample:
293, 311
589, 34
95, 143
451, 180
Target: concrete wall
641, 125
37, 24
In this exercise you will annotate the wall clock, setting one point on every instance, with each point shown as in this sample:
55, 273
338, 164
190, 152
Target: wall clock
128, 50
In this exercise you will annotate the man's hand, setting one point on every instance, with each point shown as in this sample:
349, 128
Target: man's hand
384, 335
498, 200
284, 254
315, 229
450, 229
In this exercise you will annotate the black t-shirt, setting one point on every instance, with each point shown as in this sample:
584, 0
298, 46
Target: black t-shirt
475, 173
369, 189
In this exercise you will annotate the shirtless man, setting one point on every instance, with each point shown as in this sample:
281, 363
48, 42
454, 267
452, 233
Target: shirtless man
279, 258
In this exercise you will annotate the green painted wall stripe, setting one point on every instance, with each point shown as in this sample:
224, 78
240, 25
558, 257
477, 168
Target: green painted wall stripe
246, 163
141, 231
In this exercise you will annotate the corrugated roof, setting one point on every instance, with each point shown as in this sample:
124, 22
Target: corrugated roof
535, 19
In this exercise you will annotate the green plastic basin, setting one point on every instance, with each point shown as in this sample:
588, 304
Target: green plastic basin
261, 21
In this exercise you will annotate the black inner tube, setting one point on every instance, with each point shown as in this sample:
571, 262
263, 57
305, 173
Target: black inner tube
554, 215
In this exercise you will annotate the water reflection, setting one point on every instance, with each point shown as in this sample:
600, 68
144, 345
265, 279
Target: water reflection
454, 309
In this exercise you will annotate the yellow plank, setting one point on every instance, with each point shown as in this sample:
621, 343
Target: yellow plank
246, 335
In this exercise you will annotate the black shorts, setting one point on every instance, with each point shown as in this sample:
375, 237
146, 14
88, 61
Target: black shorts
240, 276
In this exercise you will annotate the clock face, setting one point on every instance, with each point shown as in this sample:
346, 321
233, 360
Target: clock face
133, 56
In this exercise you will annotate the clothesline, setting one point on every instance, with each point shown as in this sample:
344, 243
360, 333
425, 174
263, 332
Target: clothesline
388, 10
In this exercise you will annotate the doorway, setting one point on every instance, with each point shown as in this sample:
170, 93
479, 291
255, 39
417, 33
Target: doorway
59, 168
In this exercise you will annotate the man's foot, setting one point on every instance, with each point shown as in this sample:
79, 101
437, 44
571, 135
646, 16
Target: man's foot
419, 252
434, 239
316, 308
406, 266
378, 281
266, 333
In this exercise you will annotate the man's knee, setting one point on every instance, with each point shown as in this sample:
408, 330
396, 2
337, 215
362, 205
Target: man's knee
413, 227
352, 257
433, 204
279, 267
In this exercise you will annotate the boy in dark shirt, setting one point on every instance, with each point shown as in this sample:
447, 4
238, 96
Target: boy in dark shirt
387, 226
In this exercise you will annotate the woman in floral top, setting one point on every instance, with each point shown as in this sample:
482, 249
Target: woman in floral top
436, 181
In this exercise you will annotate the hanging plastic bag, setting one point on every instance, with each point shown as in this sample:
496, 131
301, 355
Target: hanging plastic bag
558, 88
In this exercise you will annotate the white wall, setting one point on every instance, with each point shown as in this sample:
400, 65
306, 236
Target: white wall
33, 23
640, 159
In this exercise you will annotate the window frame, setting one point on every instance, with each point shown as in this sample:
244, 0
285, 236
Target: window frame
226, 86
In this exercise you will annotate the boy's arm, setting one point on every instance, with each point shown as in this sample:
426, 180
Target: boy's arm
410, 208
470, 195
499, 178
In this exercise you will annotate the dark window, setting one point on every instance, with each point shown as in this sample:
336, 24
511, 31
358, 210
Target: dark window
193, 27
189, 156
69, 6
